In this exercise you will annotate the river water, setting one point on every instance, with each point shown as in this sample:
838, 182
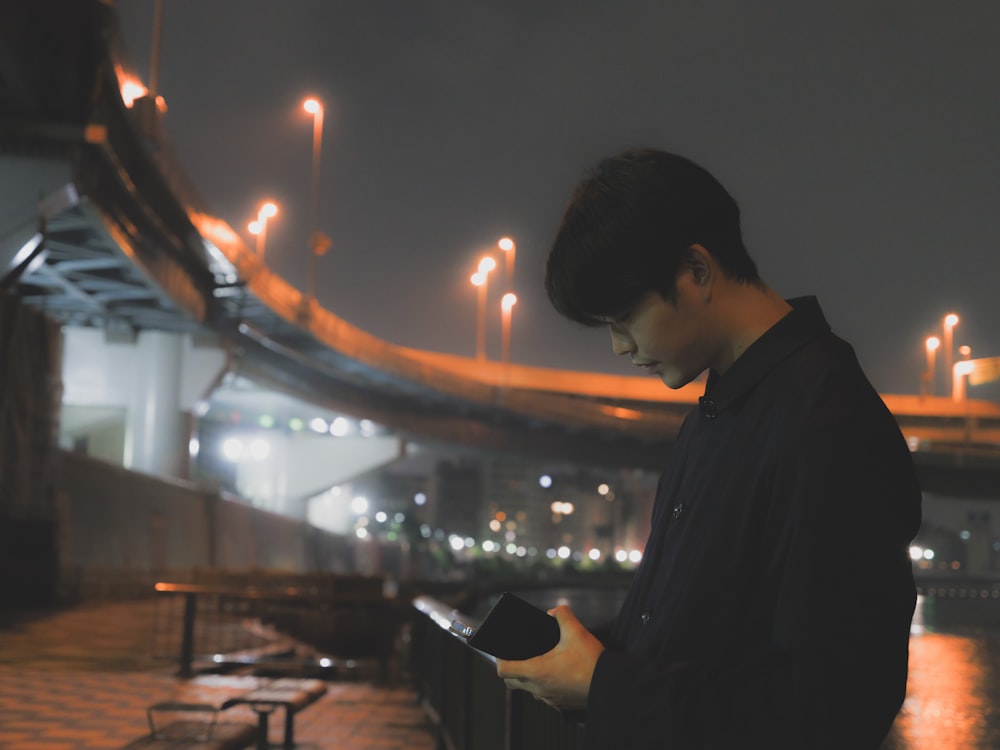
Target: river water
953, 691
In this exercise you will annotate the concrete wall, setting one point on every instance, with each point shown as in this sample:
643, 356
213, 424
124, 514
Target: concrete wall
120, 531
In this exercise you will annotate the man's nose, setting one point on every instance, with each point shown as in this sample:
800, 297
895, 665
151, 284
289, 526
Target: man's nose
621, 342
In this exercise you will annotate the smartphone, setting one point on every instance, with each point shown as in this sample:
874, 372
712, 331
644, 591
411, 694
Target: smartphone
512, 629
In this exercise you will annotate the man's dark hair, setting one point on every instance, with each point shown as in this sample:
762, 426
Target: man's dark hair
627, 231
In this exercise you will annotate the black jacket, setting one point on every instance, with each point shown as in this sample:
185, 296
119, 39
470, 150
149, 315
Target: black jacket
773, 604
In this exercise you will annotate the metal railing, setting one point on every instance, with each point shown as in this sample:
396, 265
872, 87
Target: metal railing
275, 627
471, 706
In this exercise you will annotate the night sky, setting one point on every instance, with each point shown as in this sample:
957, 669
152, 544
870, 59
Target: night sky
861, 139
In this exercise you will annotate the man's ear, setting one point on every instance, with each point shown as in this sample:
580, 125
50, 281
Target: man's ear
699, 261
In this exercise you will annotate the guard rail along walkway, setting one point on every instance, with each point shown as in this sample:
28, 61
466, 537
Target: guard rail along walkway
472, 708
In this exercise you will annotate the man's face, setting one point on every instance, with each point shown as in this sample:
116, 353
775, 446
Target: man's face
669, 339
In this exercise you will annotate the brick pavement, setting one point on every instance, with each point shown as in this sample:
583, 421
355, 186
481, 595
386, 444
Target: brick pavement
81, 679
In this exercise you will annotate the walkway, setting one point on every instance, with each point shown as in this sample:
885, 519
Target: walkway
82, 679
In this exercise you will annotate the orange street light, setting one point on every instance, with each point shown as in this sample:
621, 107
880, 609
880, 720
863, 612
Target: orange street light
487, 264
931, 345
258, 227
479, 279
948, 324
318, 244
506, 307
958, 376
509, 250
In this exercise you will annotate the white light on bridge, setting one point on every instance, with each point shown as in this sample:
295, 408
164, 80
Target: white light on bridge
260, 449
232, 449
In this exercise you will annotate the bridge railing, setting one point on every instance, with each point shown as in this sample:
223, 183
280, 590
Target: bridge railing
471, 706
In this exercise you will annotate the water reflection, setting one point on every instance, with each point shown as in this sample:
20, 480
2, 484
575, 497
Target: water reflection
953, 692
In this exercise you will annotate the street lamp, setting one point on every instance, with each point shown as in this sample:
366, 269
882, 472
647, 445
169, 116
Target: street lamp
319, 243
509, 250
931, 345
258, 227
479, 279
960, 372
506, 306
948, 324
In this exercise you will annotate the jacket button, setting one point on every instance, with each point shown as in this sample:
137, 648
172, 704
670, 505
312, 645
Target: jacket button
708, 408
677, 510
646, 617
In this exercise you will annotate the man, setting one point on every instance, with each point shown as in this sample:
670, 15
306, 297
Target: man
773, 604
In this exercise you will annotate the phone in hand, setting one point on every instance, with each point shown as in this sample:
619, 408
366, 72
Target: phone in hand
512, 629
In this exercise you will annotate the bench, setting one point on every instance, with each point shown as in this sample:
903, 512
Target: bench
207, 734
291, 694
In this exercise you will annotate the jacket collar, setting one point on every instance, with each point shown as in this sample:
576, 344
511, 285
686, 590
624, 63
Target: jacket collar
803, 324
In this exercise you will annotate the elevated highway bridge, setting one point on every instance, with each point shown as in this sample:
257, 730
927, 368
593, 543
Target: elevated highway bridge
99, 227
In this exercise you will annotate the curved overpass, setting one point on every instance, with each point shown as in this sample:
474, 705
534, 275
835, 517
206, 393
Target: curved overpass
121, 240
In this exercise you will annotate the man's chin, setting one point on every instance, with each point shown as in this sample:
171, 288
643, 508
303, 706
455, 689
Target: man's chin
674, 380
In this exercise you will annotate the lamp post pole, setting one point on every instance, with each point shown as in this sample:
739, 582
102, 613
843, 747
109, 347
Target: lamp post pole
506, 312
317, 244
480, 279
154, 52
931, 345
948, 325
509, 250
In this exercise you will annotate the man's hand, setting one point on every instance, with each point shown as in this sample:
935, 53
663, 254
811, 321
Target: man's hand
562, 676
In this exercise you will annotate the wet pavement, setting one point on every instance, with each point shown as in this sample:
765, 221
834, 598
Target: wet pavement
83, 678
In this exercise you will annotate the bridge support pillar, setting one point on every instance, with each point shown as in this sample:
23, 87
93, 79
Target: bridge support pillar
979, 546
155, 426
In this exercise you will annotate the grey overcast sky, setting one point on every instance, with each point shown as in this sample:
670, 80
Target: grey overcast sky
861, 139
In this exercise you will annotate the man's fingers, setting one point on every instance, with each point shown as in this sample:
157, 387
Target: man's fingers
505, 669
